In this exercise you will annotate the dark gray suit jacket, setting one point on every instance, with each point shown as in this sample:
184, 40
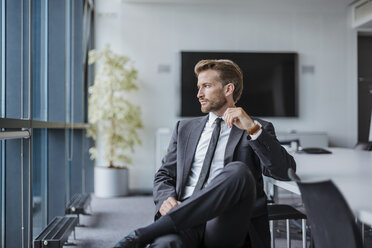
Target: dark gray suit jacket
264, 155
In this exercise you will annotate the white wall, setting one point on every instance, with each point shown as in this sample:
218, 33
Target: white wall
154, 34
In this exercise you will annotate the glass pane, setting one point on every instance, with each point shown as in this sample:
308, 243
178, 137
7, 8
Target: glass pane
77, 70
76, 158
39, 180
57, 61
26, 187
2, 110
2, 168
88, 165
13, 68
13, 192
25, 56
40, 59
56, 173
2, 80
68, 160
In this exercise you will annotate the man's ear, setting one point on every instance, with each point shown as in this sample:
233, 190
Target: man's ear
229, 89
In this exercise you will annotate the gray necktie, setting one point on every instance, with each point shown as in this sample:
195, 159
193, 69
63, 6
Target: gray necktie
209, 156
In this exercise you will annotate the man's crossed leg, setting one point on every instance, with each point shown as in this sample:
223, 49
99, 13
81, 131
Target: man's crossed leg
216, 216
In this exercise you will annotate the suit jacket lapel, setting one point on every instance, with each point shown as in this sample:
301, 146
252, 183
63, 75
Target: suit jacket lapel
234, 138
192, 142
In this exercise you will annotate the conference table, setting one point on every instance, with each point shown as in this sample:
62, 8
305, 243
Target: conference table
350, 170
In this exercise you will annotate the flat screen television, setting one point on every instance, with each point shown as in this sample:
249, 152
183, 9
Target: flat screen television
270, 82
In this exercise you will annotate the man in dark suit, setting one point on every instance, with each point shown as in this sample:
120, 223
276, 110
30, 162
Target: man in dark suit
209, 189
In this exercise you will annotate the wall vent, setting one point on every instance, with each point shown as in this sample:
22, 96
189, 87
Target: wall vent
363, 10
362, 14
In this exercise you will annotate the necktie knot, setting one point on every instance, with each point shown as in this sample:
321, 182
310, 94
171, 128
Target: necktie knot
218, 121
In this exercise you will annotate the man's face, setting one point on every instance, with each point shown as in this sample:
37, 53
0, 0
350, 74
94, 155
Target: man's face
210, 94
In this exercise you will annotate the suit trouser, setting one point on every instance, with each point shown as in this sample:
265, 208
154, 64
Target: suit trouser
216, 216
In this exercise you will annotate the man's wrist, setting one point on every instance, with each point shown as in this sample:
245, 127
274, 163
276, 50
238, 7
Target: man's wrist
254, 129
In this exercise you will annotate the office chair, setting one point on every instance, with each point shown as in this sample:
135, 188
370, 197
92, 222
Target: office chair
366, 146
285, 212
331, 220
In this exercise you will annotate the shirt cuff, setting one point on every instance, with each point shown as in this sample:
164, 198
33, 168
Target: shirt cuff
258, 133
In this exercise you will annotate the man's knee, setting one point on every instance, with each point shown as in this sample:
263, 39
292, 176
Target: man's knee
238, 169
168, 241
239, 173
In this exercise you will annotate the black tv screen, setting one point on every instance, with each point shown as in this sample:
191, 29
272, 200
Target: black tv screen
270, 82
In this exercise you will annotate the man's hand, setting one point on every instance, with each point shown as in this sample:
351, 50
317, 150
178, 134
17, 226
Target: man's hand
168, 205
239, 118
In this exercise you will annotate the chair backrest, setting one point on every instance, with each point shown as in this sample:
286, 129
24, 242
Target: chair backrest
293, 176
367, 146
331, 220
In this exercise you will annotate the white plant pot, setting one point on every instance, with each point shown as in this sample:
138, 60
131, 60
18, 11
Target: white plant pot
110, 182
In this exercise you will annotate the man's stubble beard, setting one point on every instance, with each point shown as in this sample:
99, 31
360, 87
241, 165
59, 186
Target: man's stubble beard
214, 104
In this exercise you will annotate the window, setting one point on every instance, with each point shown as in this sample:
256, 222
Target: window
42, 92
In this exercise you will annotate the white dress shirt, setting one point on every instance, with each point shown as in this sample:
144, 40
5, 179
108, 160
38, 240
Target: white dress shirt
201, 150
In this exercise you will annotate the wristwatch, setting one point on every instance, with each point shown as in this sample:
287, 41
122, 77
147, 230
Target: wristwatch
254, 129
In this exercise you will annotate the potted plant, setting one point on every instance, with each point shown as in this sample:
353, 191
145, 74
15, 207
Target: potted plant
114, 121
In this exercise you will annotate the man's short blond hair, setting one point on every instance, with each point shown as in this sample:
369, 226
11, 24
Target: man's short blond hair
228, 72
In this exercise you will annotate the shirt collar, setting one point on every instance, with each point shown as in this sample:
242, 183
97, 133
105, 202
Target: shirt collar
212, 118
